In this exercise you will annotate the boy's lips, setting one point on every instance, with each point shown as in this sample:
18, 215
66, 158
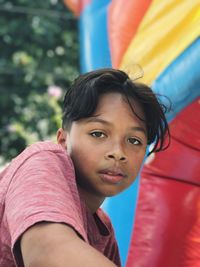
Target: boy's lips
112, 176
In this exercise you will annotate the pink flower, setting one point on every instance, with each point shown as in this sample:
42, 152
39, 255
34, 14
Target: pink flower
54, 91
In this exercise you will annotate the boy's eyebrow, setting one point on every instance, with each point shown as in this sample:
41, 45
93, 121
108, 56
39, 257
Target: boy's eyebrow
95, 119
139, 129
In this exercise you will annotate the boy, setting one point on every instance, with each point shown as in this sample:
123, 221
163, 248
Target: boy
51, 193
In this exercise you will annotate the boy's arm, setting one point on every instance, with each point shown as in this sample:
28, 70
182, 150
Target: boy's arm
58, 245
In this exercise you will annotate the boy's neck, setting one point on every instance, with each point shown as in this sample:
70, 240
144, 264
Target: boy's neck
92, 203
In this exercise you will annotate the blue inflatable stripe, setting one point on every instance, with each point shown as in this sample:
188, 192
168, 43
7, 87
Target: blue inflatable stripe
94, 47
180, 80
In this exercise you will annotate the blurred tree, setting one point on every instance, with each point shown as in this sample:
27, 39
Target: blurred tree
39, 58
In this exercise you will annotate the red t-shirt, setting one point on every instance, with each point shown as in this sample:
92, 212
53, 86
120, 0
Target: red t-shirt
39, 185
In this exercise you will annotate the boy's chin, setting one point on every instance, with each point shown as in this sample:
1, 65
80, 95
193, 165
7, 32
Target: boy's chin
114, 192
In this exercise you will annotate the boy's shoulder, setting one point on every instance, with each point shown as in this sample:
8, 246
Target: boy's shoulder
39, 147
47, 147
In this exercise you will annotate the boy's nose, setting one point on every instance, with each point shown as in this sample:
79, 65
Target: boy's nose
116, 155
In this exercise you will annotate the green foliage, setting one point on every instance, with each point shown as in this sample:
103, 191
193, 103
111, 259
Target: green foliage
39, 59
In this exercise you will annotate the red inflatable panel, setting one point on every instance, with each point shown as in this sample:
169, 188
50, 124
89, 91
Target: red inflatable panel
181, 160
186, 127
167, 224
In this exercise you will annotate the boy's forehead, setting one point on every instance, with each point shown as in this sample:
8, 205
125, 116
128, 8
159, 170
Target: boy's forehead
118, 100
112, 106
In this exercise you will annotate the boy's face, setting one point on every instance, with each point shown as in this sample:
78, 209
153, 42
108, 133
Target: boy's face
107, 149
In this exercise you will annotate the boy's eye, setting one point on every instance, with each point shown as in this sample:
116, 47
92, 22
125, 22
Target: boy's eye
134, 141
97, 134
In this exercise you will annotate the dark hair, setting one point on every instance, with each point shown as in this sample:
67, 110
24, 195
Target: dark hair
82, 98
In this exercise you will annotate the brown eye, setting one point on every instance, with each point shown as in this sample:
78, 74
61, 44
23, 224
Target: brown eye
97, 134
134, 141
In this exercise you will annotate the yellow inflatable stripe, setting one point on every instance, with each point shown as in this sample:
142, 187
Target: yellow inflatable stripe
167, 29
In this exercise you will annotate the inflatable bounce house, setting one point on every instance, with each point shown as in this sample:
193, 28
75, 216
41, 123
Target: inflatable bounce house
157, 220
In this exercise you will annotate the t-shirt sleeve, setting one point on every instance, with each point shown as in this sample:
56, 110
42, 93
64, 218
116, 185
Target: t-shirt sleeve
43, 189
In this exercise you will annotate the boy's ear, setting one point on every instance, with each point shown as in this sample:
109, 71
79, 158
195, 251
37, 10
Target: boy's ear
62, 138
